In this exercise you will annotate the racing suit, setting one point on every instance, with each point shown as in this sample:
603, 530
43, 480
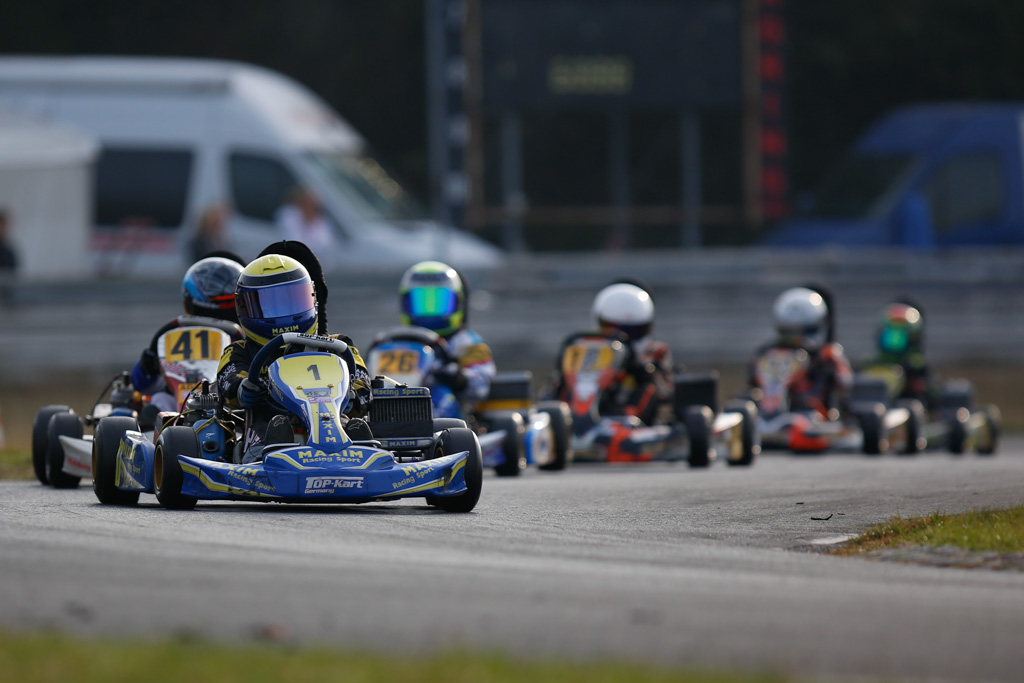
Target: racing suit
917, 376
234, 367
469, 376
825, 386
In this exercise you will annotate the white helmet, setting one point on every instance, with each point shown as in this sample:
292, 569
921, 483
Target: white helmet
626, 308
801, 317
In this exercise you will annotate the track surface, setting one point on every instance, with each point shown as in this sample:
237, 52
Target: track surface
654, 563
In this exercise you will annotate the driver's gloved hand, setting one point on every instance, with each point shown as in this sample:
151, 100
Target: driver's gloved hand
451, 376
251, 394
149, 363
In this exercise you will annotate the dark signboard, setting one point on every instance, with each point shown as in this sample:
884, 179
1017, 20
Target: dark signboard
556, 54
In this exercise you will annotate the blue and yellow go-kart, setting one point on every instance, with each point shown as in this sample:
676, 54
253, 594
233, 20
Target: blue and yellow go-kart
514, 432
409, 456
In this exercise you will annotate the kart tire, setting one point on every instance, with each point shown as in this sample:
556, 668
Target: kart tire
957, 438
872, 425
915, 426
443, 423
167, 474
561, 427
61, 424
698, 430
513, 446
105, 443
993, 423
40, 438
751, 441
456, 440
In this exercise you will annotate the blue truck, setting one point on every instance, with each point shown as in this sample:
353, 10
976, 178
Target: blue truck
934, 175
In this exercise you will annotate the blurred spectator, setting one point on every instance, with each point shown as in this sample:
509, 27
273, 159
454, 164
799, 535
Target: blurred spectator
8, 258
211, 232
302, 220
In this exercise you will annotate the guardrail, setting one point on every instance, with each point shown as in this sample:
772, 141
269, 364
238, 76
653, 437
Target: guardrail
713, 306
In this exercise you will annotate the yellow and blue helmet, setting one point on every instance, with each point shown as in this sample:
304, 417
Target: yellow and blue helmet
433, 296
900, 330
275, 295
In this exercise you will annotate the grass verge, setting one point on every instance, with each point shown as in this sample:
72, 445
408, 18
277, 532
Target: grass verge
16, 463
977, 531
48, 657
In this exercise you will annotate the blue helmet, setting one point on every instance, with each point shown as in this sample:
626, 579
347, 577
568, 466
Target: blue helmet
275, 295
208, 288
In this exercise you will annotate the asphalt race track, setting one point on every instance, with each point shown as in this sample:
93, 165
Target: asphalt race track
653, 562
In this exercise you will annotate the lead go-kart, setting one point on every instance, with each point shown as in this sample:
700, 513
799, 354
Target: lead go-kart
953, 423
197, 455
514, 433
870, 423
188, 351
592, 366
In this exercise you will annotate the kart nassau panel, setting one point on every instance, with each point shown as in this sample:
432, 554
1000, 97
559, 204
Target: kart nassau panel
189, 355
589, 365
309, 384
303, 474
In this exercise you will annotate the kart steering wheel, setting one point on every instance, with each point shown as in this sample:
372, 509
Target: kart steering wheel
265, 356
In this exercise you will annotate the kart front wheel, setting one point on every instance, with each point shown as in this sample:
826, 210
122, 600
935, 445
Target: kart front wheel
988, 440
40, 438
455, 441
916, 441
698, 429
105, 444
872, 425
751, 444
513, 446
167, 474
561, 427
61, 424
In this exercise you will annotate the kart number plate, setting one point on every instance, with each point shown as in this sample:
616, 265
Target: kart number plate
192, 344
397, 361
580, 358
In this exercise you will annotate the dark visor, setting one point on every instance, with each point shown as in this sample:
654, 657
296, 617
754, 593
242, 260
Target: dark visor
276, 301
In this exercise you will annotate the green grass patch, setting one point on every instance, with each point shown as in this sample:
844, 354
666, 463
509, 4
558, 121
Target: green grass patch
16, 463
979, 530
49, 657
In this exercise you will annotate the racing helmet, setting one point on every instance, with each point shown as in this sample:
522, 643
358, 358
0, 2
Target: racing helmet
275, 295
626, 308
208, 288
801, 317
433, 296
900, 330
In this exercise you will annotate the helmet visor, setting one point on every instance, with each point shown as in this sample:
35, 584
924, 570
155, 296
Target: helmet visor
276, 301
430, 302
893, 340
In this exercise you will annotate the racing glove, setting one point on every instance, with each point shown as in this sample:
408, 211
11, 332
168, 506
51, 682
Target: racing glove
149, 363
451, 376
251, 394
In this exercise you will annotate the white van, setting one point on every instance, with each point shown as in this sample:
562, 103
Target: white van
178, 135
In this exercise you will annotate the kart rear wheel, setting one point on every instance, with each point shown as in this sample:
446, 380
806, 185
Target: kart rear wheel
957, 438
457, 440
513, 446
561, 427
167, 474
40, 432
751, 442
443, 423
698, 429
61, 424
989, 438
105, 444
872, 425
915, 427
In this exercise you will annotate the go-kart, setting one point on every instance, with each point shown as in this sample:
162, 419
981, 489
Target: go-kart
188, 349
952, 423
514, 433
409, 454
592, 367
869, 424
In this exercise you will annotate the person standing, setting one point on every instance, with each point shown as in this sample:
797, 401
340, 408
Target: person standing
302, 220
